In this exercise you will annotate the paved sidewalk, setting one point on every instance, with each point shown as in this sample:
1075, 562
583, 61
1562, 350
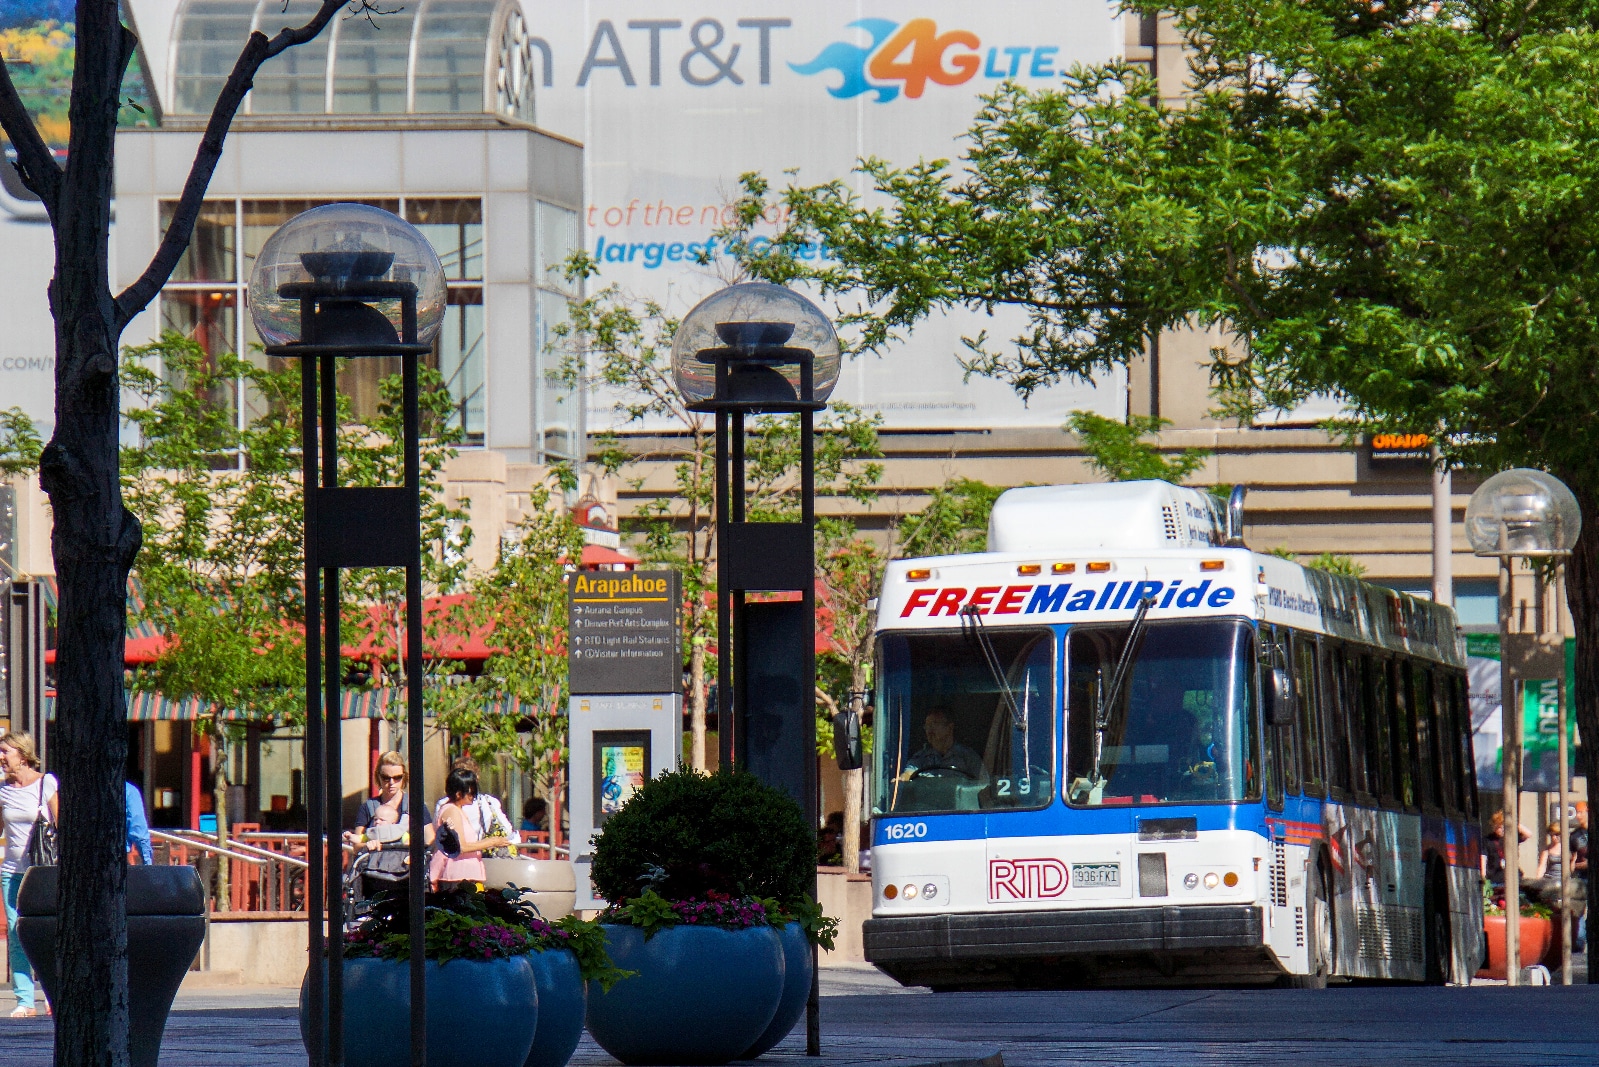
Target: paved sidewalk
1390, 1026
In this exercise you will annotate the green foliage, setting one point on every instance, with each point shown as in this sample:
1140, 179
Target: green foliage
20, 443
687, 835
1330, 562
954, 521
1119, 451
585, 940
524, 599
1333, 563
470, 922
221, 570
820, 929
623, 347
1389, 205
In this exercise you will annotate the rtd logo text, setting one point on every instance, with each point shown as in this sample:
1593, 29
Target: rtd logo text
1040, 879
1048, 599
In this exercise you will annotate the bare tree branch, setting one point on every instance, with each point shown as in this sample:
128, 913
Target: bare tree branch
257, 50
38, 168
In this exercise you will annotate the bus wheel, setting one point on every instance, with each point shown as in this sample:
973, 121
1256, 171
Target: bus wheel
1436, 916
1320, 943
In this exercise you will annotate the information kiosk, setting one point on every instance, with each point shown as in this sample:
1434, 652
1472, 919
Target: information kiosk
626, 675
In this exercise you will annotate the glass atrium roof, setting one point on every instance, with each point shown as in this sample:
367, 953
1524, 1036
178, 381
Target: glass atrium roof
428, 57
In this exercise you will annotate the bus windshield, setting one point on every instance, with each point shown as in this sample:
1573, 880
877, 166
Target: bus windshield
964, 728
1181, 730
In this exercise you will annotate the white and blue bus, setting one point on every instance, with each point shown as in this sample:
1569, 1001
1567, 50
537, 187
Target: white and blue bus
1121, 748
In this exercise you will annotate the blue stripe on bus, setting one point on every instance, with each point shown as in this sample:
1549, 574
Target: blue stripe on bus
1060, 820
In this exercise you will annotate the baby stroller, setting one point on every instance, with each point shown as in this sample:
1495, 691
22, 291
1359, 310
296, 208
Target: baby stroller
385, 870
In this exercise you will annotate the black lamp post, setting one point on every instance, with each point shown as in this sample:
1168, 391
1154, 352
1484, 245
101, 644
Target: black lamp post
756, 349
347, 281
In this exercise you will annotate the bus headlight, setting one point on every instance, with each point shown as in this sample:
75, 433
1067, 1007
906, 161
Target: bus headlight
1211, 881
1190, 880
909, 892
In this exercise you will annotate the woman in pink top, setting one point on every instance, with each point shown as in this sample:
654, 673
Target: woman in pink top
466, 864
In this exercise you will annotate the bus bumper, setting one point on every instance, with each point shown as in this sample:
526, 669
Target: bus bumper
1141, 946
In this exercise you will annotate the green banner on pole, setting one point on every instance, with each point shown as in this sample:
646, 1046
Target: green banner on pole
1540, 717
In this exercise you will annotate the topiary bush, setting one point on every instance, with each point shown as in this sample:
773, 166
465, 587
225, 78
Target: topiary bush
688, 835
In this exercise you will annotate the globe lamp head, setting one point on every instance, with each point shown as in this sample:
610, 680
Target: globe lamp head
1523, 512
343, 246
761, 331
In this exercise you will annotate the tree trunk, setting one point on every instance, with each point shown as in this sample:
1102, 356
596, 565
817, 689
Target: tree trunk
94, 541
219, 804
1582, 597
696, 687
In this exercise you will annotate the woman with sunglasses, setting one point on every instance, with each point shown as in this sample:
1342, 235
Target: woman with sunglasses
383, 819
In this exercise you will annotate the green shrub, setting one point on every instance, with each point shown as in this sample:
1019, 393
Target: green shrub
688, 835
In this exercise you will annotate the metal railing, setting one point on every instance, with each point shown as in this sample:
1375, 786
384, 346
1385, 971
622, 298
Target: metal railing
265, 872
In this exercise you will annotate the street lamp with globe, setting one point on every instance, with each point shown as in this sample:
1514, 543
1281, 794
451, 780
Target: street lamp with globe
1533, 515
351, 281
761, 349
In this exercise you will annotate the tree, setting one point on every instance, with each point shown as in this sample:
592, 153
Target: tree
624, 347
220, 571
1119, 452
95, 538
20, 443
1389, 204
522, 602
850, 577
954, 521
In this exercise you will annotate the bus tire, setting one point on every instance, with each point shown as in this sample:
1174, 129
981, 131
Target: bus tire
1321, 943
1437, 933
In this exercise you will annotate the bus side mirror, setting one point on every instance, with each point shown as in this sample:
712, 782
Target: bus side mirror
847, 740
1279, 698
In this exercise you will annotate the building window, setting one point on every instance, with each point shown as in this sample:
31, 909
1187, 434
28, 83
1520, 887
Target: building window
208, 291
558, 411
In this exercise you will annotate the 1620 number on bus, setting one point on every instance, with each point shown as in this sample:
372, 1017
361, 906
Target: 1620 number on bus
905, 831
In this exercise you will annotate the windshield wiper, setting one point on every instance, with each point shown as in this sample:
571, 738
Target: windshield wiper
1110, 697
972, 617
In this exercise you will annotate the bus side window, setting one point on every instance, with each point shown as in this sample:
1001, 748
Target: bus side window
1462, 741
1308, 728
1402, 732
1333, 730
1379, 765
1447, 746
1341, 719
1429, 789
1271, 659
1362, 771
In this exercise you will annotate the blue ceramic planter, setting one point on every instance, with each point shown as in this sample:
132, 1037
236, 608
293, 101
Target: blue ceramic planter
562, 1005
702, 994
796, 990
462, 997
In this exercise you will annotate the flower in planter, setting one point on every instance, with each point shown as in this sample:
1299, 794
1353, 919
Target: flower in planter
469, 922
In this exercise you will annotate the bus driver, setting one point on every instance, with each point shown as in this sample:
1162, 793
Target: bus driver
942, 752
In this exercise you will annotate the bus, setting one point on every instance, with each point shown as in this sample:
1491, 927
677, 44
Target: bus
1120, 748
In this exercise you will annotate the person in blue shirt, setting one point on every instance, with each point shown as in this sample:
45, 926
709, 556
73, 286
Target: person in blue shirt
138, 827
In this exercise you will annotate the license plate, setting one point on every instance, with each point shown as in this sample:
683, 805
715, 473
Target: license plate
1096, 875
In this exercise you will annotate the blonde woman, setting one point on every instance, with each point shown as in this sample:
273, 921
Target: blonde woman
387, 809
24, 794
